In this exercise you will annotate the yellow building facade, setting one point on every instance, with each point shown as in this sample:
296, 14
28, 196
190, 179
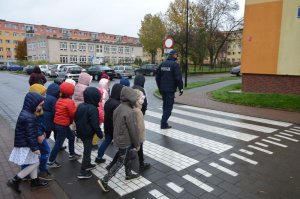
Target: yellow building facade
271, 46
8, 42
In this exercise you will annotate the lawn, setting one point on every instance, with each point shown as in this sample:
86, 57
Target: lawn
275, 101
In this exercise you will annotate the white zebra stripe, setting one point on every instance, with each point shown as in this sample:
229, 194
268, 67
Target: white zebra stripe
292, 132
295, 129
226, 161
286, 134
276, 139
287, 138
261, 144
208, 128
221, 168
260, 149
203, 172
227, 122
210, 145
246, 151
198, 183
275, 143
244, 158
234, 115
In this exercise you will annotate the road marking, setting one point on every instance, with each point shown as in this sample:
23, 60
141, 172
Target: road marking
226, 161
175, 187
276, 139
167, 157
260, 149
225, 121
286, 134
244, 158
275, 143
157, 194
246, 151
207, 128
261, 144
221, 168
118, 182
256, 119
295, 129
198, 183
210, 145
292, 132
203, 172
287, 138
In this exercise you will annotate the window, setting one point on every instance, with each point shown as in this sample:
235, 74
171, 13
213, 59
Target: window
63, 46
239, 53
8, 56
91, 48
106, 49
233, 53
73, 47
1, 56
82, 59
121, 59
15, 42
127, 50
114, 60
0, 41
7, 49
73, 58
121, 50
15, 34
82, 47
228, 53
1, 49
114, 49
7, 41
233, 60
0, 32
63, 58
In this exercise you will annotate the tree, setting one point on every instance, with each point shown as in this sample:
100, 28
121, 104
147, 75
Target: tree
219, 21
152, 34
21, 50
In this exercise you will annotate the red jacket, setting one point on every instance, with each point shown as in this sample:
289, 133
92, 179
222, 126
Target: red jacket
65, 109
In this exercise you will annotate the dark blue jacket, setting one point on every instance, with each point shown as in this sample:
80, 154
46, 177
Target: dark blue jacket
168, 76
49, 106
26, 131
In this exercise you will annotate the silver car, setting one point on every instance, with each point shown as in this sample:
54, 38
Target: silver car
69, 72
123, 71
236, 70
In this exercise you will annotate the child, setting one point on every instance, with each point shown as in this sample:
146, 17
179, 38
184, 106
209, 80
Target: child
139, 82
84, 81
125, 82
87, 124
125, 136
26, 150
65, 109
112, 103
44, 148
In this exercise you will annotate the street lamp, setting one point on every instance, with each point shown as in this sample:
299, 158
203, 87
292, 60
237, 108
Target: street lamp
186, 43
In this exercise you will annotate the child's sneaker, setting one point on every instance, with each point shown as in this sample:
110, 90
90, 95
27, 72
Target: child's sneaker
74, 157
84, 175
53, 164
132, 176
103, 185
45, 176
90, 167
100, 160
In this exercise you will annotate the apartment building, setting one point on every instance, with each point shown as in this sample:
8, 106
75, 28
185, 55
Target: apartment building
59, 50
234, 47
12, 32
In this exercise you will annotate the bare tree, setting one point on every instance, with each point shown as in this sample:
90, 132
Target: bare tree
219, 21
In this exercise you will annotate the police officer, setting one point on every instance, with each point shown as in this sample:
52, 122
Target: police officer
168, 78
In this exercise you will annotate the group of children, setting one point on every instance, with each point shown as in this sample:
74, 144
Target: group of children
71, 110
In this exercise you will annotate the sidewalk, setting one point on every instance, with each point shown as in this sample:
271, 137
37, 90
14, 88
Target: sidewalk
198, 97
8, 170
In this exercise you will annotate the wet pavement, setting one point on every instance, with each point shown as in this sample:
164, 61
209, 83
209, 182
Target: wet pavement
213, 150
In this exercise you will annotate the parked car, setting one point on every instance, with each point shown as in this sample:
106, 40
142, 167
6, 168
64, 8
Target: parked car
96, 72
3, 67
44, 68
123, 71
28, 69
147, 69
48, 72
70, 72
236, 70
15, 67
53, 71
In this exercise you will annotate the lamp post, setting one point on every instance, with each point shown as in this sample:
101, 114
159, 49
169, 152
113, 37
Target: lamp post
186, 43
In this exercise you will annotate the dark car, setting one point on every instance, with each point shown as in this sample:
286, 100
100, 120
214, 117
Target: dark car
236, 70
96, 72
3, 67
15, 68
29, 69
147, 69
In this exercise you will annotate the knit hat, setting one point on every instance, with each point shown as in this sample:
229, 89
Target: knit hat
71, 81
125, 82
38, 88
67, 89
172, 52
105, 76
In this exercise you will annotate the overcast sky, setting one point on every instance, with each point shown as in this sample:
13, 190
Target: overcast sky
120, 17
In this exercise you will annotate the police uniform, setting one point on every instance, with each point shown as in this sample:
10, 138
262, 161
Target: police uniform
168, 79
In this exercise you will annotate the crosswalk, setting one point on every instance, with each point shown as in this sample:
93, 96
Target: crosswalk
206, 131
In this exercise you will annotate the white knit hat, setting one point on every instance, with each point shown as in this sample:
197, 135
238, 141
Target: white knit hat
71, 81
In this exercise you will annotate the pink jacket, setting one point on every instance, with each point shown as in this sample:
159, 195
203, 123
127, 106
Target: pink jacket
83, 82
103, 87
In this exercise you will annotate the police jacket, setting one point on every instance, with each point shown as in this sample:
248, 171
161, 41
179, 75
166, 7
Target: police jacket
168, 76
27, 126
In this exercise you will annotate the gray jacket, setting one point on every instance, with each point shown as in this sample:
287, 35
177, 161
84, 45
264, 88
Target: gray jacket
125, 120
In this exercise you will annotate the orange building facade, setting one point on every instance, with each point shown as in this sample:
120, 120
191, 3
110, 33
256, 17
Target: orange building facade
271, 47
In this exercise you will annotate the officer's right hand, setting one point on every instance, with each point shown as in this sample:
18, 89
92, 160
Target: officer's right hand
180, 92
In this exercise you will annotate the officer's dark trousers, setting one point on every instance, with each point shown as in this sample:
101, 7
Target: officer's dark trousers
168, 101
